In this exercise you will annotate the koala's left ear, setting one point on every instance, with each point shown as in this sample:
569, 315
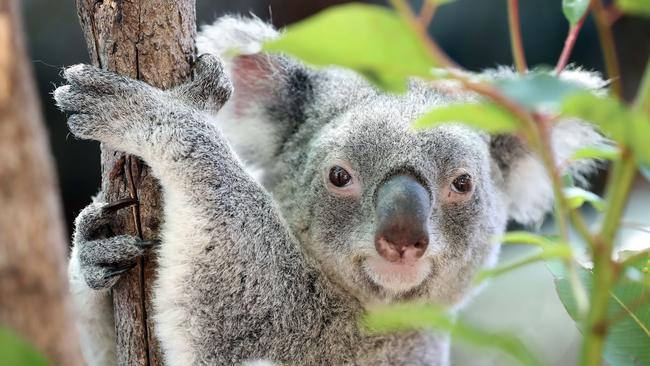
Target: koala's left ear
526, 183
270, 90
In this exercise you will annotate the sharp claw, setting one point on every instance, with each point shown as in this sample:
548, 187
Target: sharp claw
148, 243
119, 204
117, 270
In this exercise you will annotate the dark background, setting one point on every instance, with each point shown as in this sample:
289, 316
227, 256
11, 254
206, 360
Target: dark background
473, 32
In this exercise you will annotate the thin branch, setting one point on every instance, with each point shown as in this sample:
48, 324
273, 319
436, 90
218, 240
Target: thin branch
427, 11
613, 14
570, 42
516, 43
608, 46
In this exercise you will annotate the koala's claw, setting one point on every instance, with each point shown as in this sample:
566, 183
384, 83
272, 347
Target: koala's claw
102, 256
118, 270
145, 244
120, 204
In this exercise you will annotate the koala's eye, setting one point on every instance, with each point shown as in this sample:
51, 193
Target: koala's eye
462, 184
339, 177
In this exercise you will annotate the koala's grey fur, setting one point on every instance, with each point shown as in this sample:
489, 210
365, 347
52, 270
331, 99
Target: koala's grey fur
245, 274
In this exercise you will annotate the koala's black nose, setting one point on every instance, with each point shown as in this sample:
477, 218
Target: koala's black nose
403, 208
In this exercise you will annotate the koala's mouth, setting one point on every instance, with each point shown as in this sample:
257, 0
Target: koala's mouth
397, 278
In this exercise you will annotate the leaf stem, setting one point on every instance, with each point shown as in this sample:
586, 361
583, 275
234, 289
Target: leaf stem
604, 272
608, 46
516, 43
427, 11
569, 43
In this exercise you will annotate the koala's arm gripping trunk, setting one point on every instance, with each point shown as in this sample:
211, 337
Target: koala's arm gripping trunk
151, 40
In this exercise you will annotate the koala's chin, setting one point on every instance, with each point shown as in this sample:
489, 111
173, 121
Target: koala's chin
397, 278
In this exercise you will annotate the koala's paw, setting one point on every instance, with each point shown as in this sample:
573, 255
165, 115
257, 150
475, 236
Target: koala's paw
210, 87
102, 257
101, 104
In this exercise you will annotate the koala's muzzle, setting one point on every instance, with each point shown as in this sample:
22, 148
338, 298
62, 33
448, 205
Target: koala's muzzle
402, 209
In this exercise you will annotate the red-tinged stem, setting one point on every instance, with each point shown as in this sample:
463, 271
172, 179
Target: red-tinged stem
613, 14
516, 42
427, 11
570, 42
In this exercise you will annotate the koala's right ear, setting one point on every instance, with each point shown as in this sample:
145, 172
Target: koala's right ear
270, 90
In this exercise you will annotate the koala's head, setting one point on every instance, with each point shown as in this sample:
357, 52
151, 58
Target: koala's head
389, 213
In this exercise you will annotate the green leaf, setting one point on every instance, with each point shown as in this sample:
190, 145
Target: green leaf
638, 7
411, 316
550, 250
568, 180
622, 124
537, 90
574, 10
17, 352
522, 237
486, 116
576, 197
370, 39
629, 334
601, 151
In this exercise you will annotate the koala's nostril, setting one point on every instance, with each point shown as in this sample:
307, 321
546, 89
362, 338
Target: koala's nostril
407, 244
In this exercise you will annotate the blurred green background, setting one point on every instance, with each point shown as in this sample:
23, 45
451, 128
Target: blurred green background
475, 34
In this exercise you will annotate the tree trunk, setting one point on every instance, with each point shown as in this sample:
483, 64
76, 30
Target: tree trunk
34, 299
151, 40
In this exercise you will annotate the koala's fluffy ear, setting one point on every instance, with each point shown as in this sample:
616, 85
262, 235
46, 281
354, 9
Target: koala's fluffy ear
526, 183
270, 90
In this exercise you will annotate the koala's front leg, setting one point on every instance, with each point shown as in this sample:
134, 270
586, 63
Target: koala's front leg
132, 116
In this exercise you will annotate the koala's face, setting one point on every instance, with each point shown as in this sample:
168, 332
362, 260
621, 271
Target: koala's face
388, 213
395, 214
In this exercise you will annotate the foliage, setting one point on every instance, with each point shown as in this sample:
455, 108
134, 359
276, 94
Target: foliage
377, 44
639, 7
628, 311
574, 10
411, 316
16, 352
388, 47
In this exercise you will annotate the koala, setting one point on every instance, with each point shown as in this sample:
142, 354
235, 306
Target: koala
296, 198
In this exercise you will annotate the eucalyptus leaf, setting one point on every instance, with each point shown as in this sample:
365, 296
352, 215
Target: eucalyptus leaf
628, 313
15, 351
486, 116
574, 10
622, 124
550, 252
370, 39
601, 151
521, 237
576, 197
537, 90
412, 316
638, 7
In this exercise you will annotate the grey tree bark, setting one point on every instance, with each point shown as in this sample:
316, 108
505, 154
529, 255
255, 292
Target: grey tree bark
34, 300
151, 40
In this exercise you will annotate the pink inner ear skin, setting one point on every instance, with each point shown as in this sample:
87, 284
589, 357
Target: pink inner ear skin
252, 76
